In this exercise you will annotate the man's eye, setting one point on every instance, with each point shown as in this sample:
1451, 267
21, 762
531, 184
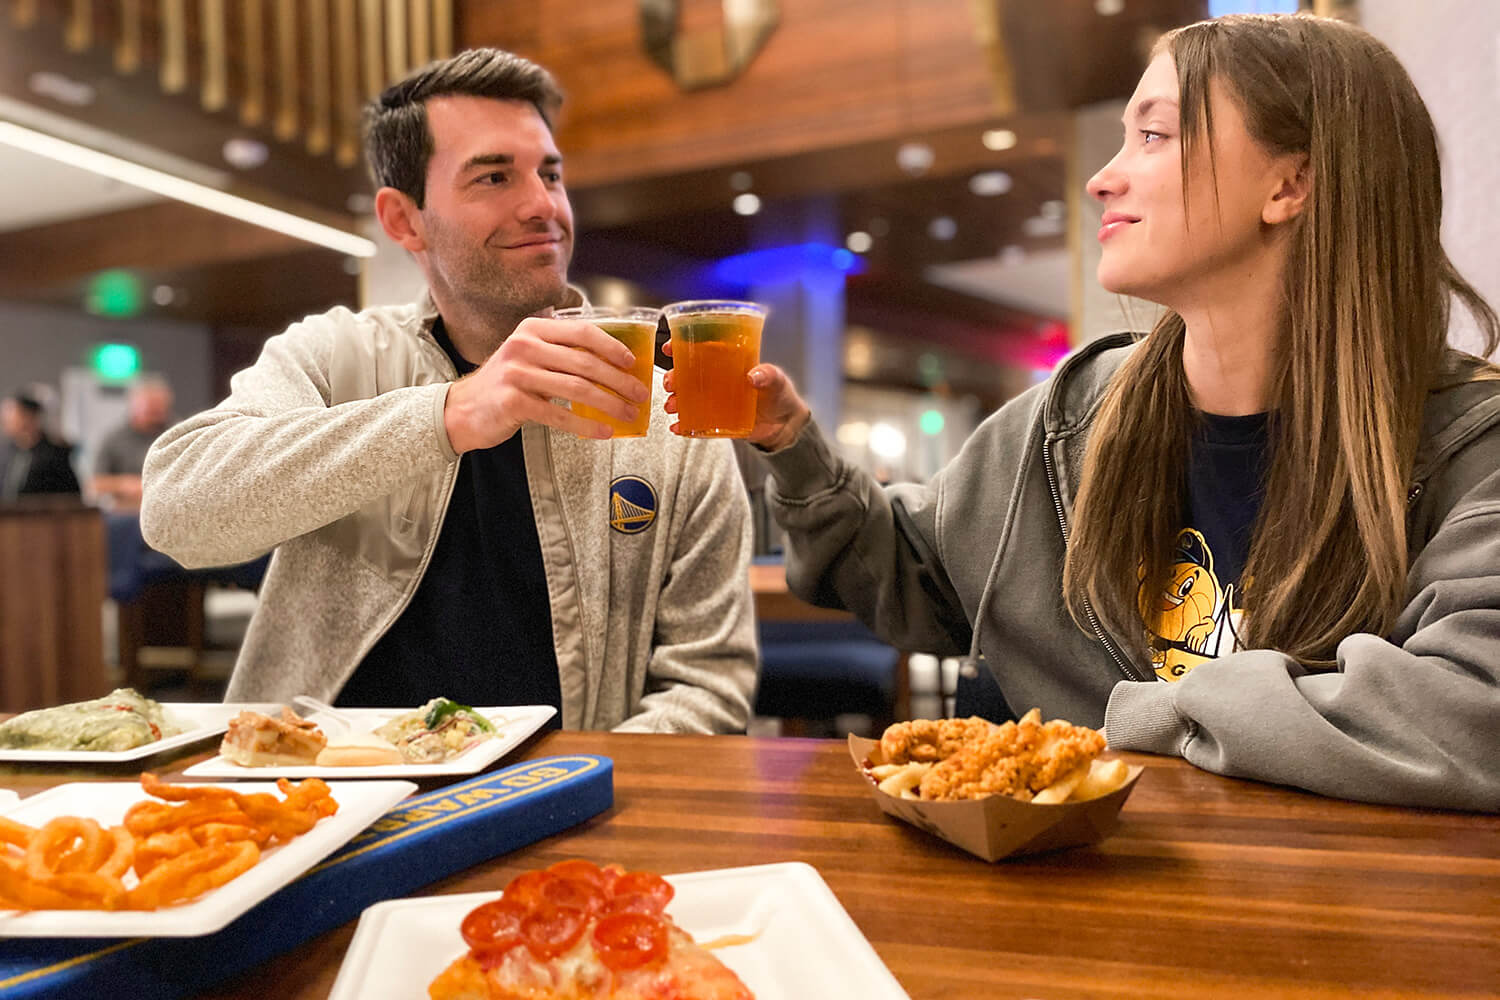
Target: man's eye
493, 177
552, 176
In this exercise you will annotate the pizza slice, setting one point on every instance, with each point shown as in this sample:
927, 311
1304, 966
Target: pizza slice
576, 931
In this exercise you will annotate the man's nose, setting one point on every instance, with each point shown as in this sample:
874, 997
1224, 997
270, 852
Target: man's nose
536, 201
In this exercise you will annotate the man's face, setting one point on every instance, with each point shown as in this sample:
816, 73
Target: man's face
149, 407
17, 422
497, 223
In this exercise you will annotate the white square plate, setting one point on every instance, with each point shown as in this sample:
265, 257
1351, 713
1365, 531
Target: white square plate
514, 723
802, 942
199, 720
360, 804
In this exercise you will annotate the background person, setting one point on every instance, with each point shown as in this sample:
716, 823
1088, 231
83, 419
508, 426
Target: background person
31, 463
122, 454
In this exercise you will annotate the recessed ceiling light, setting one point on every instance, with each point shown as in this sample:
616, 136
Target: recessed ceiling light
859, 242
360, 203
915, 158
62, 89
746, 204
245, 154
1039, 225
1109, 8
1054, 209
942, 228
162, 295
998, 139
740, 180
990, 183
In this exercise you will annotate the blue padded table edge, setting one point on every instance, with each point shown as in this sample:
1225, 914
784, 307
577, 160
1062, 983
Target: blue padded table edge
418, 841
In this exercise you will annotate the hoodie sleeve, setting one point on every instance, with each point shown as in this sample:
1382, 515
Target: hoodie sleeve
277, 459
1410, 720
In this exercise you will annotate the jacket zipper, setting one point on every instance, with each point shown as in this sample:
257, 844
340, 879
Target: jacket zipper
1062, 521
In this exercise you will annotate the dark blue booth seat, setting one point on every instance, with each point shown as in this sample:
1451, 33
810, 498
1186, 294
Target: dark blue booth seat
818, 670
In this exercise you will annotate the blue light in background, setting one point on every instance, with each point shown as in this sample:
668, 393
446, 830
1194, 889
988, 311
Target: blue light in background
774, 265
1218, 8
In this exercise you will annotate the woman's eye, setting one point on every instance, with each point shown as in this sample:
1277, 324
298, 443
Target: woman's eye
1148, 136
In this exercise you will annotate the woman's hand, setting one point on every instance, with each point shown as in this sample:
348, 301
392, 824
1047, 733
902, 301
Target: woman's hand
780, 413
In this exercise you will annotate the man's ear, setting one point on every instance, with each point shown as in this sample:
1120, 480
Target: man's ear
1292, 191
400, 218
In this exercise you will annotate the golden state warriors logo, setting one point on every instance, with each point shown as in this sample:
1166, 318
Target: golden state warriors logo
632, 505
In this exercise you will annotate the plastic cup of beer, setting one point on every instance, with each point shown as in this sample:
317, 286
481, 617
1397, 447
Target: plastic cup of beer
715, 343
635, 327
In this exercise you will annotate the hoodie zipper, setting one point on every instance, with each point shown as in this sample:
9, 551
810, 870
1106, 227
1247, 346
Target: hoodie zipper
1062, 521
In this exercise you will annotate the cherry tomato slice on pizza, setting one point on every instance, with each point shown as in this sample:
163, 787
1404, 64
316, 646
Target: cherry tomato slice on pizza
579, 869
493, 927
550, 930
632, 902
525, 889
648, 884
630, 940
568, 891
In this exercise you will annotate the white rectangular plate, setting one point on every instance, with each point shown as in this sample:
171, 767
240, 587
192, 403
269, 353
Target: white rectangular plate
200, 720
802, 942
514, 723
360, 804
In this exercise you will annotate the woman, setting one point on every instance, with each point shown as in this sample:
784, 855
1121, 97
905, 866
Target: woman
1265, 537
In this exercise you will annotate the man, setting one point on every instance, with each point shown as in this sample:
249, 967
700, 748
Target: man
441, 537
31, 463
117, 467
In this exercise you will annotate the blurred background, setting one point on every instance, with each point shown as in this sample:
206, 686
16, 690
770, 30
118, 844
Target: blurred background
901, 180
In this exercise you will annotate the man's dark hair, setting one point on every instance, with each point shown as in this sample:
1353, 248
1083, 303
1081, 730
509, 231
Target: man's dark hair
27, 402
398, 142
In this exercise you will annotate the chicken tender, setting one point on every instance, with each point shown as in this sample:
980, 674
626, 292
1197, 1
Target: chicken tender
975, 758
930, 740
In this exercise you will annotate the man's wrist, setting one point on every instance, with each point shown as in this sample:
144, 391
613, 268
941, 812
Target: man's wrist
456, 418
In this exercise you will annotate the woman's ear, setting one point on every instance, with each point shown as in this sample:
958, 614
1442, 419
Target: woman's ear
400, 218
1293, 188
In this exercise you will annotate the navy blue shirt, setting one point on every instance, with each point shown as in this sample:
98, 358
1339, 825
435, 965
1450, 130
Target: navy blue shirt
479, 627
1197, 614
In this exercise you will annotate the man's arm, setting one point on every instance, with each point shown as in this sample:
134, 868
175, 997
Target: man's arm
275, 460
703, 661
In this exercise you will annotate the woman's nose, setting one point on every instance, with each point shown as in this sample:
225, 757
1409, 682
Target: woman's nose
1108, 182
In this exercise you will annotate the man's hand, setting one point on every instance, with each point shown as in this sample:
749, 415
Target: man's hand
543, 360
780, 413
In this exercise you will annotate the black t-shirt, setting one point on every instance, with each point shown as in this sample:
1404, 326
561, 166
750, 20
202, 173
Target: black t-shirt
479, 627
1198, 613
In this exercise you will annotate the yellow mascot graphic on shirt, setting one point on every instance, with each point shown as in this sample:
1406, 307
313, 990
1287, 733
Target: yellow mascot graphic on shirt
1193, 619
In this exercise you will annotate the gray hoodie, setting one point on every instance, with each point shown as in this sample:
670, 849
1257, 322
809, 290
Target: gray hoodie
971, 563
331, 449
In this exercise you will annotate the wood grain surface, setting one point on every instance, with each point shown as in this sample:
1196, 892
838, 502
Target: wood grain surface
1210, 887
52, 584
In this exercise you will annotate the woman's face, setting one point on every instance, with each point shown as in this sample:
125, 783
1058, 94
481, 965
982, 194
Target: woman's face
1153, 247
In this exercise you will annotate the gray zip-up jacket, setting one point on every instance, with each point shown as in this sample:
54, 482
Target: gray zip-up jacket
331, 449
972, 563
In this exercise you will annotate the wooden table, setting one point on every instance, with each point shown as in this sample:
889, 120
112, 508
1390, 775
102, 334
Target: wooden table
1210, 886
775, 603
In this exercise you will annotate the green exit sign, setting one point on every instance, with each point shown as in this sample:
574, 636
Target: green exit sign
116, 362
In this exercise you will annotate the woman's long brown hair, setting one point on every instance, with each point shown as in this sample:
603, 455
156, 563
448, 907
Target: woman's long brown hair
1367, 294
